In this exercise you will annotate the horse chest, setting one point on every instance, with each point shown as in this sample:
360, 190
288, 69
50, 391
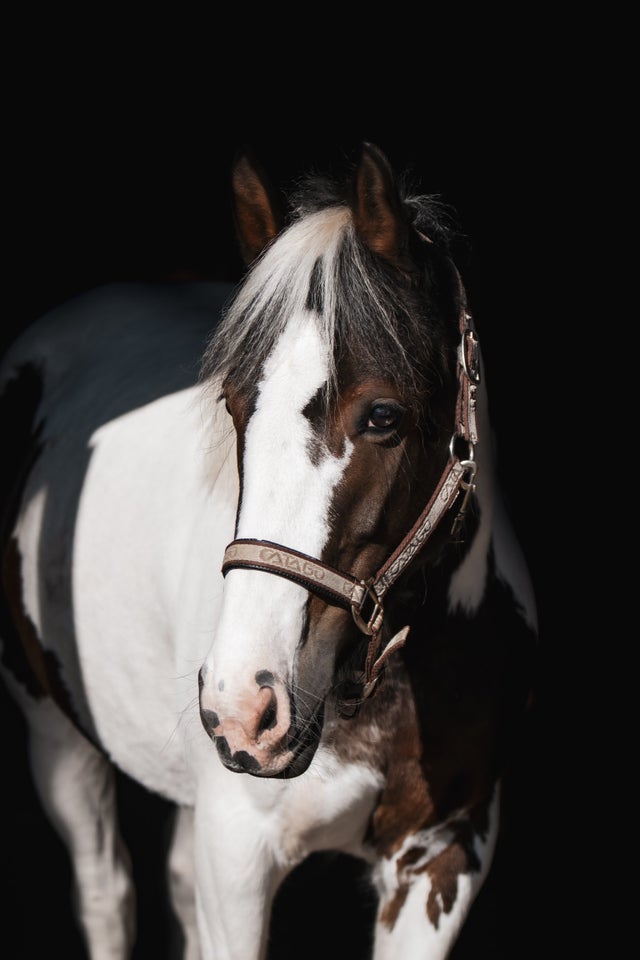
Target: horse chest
329, 808
352, 798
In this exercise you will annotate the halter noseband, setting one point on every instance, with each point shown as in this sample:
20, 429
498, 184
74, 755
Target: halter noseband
364, 597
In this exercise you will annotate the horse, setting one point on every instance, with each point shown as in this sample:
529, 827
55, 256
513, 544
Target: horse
256, 557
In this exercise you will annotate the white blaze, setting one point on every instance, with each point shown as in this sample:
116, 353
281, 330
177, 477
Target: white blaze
286, 498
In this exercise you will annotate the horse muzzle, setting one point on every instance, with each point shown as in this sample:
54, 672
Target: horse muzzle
253, 727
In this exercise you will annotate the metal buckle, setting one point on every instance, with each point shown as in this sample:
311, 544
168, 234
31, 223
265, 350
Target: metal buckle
470, 354
373, 624
468, 486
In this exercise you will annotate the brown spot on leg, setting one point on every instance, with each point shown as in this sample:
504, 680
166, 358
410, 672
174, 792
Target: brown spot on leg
391, 910
442, 869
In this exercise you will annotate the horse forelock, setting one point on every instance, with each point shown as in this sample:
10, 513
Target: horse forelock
367, 314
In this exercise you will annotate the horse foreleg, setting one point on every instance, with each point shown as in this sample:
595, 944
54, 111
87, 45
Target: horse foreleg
237, 875
427, 887
76, 786
182, 881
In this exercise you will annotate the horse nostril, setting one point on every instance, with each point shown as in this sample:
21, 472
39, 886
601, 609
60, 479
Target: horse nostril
269, 716
264, 678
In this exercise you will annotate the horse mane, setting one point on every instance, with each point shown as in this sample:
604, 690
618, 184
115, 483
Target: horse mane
365, 311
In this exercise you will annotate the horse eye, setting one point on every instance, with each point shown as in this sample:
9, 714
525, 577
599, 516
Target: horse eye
385, 415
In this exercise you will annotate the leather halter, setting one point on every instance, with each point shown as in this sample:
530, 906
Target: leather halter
343, 589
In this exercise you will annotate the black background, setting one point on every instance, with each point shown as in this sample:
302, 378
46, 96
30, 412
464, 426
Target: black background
120, 172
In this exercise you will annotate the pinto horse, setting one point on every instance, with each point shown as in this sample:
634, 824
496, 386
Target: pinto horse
255, 557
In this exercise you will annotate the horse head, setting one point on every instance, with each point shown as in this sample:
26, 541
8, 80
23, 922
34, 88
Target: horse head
338, 361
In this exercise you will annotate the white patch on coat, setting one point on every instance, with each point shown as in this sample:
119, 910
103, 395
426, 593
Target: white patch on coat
511, 565
495, 530
155, 514
286, 496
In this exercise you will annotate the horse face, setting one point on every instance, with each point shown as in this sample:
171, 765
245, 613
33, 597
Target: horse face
335, 460
341, 481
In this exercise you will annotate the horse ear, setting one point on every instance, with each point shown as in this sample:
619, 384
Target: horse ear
378, 214
257, 211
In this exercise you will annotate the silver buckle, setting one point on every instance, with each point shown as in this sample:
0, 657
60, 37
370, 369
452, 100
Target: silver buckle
377, 615
468, 485
470, 354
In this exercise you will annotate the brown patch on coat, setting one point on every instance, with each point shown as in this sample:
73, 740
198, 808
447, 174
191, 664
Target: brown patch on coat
406, 804
24, 657
443, 871
430, 773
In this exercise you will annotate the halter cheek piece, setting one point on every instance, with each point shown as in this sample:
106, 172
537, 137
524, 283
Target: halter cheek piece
364, 597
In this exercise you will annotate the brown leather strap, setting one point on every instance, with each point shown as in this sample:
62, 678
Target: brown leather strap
469, 378
336, 587
442, 499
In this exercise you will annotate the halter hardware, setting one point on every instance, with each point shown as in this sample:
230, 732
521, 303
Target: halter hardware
352, 593
470, 353
467, 484
374, 622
